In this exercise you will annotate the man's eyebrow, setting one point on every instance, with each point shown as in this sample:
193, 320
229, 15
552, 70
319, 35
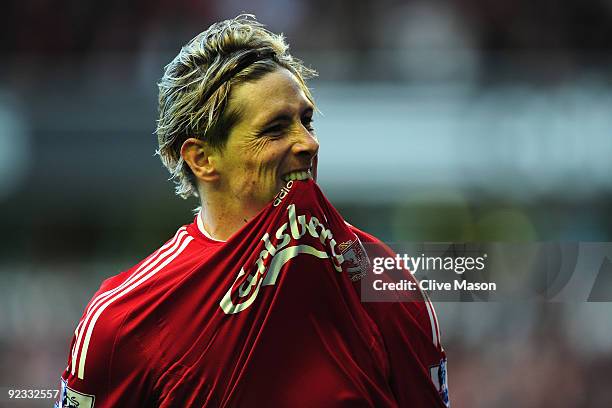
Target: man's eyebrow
285, 116
279, 117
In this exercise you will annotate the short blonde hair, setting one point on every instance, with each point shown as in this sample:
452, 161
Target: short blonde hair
195, 88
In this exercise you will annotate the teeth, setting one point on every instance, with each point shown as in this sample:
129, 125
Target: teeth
297, 175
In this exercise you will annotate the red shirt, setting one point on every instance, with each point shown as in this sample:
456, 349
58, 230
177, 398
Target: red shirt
272, 317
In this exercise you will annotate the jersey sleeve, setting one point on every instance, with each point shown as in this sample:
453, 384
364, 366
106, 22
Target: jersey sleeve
106, 366
411, 336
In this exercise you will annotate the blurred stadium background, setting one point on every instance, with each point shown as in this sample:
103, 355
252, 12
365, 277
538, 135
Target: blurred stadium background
442, 120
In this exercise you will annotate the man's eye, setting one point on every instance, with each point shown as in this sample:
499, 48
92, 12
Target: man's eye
275, 130
307, 122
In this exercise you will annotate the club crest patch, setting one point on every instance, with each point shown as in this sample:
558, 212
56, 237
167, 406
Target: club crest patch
356, 262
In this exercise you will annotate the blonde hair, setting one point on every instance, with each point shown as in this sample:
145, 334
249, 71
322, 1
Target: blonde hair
194, 91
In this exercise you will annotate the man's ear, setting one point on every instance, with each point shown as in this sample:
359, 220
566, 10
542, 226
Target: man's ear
197, 154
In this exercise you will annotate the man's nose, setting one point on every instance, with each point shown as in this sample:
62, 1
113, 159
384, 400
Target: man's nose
306, 144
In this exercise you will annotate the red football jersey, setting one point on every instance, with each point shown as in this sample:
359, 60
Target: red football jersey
271, 317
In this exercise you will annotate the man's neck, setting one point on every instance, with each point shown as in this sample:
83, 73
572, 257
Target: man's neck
221, 222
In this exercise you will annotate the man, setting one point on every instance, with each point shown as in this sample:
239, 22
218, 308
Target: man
256, 303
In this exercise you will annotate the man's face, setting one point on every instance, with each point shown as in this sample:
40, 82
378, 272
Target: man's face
272, 141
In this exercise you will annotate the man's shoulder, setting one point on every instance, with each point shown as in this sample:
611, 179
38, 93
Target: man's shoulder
362, 235
372, 243
140, 284
170, 252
